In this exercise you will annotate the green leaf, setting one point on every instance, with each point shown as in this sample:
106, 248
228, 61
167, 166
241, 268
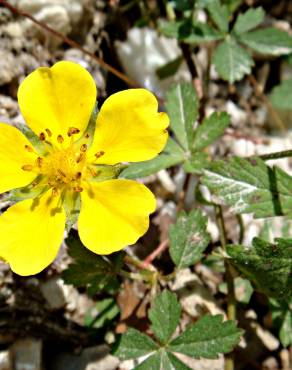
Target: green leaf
188, 238
232, 62
172, 155
182, 108
162, 360
219, 14
210, 130
183, 5
281, 96
207, 338
102, 313
196, 163
88, 269
268, 265
282, 316
170, 68
269, 41
200, 33
134, 344
250, 186
164, 315
249, 20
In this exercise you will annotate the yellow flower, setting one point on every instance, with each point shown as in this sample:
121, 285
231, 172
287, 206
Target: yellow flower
71, 166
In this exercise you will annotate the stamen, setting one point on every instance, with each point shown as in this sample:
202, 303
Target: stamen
93, 172
40, 161
78, 175
80, 157
99, 154
61, 172
34, 183
83, 148
78, 189
73, 131
27, 167
55, 192
28, 148
49, 132
60, 139
86, 136
42, 136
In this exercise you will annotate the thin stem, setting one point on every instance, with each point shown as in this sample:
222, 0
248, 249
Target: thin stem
70, 42
231, 301
273, 113
157, 251
276, 155
241, 228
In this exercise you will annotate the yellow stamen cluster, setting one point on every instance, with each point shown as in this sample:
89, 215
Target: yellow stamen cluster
62, 168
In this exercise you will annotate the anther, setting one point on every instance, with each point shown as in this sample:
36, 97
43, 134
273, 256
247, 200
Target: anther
86, 136
78, 175
49, 132
27, 167
83, 148
78, 189
55, 192
28, 148
99, 154
42, 136
61, 172
80, 157
60, 139
39, 161
73, 131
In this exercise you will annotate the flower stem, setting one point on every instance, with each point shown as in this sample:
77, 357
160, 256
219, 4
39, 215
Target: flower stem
276, 155
231, 301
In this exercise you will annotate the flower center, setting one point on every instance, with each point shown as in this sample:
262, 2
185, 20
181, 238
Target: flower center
60, 168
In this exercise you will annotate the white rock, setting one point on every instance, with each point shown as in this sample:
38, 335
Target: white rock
193, 295
144, 52
53, 292
5, 361
27, 354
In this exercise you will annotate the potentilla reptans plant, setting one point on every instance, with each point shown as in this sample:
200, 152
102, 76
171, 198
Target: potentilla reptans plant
71, 164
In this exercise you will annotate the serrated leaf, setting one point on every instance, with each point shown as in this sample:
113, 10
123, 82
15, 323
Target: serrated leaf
232, 62
281, 96
171, 156
162, 360
134, 344
196, 163
88, 269
164, 315
207, 338
268, 265
249, 20
210, 130
250, 186
282, 316
270, 41
188, 238
182, 108
102, 313
219, 14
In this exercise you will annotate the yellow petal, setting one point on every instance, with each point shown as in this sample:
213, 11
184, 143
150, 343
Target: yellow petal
129, 128
114, 214
31, 232
57, 98
13, 156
